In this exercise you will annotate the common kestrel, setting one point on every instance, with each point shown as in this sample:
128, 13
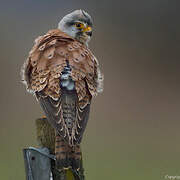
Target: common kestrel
64, 75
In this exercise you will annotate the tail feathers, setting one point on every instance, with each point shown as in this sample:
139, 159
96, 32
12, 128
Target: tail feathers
61, 153
67, 156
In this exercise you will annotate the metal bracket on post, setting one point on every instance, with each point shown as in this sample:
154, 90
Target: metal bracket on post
38, 163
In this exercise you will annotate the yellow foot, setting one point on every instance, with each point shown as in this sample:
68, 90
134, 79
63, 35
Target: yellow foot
78, 169
43, 117
67, 168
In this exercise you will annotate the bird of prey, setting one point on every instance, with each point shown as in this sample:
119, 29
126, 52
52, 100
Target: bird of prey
64, 75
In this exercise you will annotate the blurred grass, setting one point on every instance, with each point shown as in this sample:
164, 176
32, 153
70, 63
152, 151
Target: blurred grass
104, 159
105, 165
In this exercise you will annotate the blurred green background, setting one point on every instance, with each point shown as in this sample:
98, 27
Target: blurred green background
133, 131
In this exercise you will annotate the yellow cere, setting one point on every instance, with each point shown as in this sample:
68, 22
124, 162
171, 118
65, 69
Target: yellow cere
88, 28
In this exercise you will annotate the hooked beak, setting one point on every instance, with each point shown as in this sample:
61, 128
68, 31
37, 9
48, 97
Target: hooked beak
88, 30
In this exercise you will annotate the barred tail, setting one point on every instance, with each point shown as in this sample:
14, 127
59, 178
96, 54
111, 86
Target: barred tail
76, 161
61, 153
67, 156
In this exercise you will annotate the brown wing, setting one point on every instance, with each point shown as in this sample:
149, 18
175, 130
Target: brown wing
42, 71
66, 116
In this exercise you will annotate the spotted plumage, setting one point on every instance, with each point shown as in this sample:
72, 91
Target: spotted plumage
64, 75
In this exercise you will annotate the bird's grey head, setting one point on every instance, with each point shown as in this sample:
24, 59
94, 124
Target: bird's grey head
78, 25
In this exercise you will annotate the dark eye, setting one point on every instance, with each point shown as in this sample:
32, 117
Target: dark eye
78, 25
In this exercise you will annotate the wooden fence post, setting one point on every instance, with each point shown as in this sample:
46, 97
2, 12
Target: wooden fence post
46, 138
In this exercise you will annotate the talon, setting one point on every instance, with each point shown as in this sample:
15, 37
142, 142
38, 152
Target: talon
78, 169
67, 168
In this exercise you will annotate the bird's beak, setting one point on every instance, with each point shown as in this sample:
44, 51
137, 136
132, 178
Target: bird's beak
88, 30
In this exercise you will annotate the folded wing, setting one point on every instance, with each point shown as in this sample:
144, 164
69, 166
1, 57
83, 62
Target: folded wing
67, 112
